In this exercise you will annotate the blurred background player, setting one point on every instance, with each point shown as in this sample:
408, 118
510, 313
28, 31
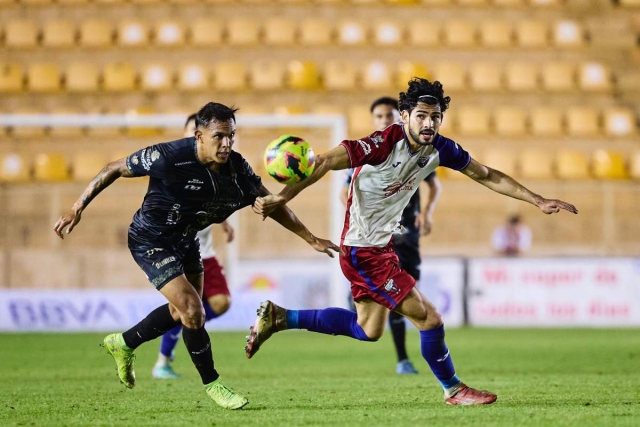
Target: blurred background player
512, 238
216, 298
416, 222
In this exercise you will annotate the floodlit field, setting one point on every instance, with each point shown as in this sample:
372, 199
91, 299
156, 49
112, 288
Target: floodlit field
543, 377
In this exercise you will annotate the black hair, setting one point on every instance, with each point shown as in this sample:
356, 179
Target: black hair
385, 100
191, 117
214, 112
418, 88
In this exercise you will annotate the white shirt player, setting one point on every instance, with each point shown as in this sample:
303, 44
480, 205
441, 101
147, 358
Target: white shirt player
386, 174
206, 242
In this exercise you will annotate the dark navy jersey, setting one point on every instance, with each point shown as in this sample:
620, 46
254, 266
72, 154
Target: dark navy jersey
185, 196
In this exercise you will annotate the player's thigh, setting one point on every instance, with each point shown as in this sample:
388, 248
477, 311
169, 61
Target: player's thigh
185, 302
419, 310
219, 303
372, 317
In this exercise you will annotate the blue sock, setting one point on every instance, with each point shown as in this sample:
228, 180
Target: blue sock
170, 340
208, 311
330, 321
436, 353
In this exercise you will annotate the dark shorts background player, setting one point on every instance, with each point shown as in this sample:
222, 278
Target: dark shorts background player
388, 167
416, 221
194, 182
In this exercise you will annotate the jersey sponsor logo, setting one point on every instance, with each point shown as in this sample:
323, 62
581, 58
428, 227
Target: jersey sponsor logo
153, 251
395, 165
134, 159
192, 187
184, 163
398, 186
148, 157
195, 181
422, 161
164, 262
174, 215
365, 147
378, 139
390, 287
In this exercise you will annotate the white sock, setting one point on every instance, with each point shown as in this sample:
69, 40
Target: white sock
452, 391
162, 361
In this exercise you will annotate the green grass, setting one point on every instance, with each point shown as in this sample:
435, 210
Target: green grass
543, 377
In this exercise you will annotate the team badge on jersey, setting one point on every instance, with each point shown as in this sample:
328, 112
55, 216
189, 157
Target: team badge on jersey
422, 161
390, 287
378, 139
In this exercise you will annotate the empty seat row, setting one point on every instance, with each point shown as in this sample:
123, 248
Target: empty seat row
97, 33
276, 75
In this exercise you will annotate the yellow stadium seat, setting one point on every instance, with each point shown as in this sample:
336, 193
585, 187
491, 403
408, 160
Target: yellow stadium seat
316, 32
571, 164
452, 76
193, 77
230, 76
36, 2
339, 75
630, 3
609, 165
509, 3
242, 32
58, 34
109, 2
81, 77
96, 33
407, 70
351, 33
303, 75
156, 77
558, 77
67, 131
206, 32
634, 167
140, 130
13, 168
387, 33
359, 120
20, 34
532, 34
546, 122
119, 77
279, 32
472, 121
43, 78
288, 110
447, 127
510, 121
424, 33
436, 2
583, 122
133, 33
619, 122
103, 131
11, 78
544, 3
169, 33
146, 2
472, 3
501, 160
460, 34
536, 164
521, 77
485, 76
594, 77
568, 34
182, 2
267, 75
496, 34
50, 167
73, 2
86, 165
376, 76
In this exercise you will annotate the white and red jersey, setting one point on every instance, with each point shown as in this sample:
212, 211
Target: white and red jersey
386, 174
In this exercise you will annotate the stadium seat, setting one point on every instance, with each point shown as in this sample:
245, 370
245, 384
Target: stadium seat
146, 2
133, 33
119, 77
315, 32
96, 33
156, 77
571, 164
452, 76
351, 33
50, 167
43, 78
472, 121
11, 78
36, 2
634, 165
359, 120
387, 33
288, 110
72, 2
339, 75
568, 34
594, 77
459, 34
447, 127
67, 131
619, 122
169, 33
242, 32
229, 76
558, 77
536, 164
496, 34
267, 75
500, 159
609, 165
206, 32
424, 33
13, 168
510, 121
629, 3
27, 132
407, 70
583, 122
141, 131
81, 77
472, 3
20, 34
545, 3
485, 76
303, 75
509, 3
546, 122
193, 77
532, 34
58, 34
280, 32
521, 77
376, 76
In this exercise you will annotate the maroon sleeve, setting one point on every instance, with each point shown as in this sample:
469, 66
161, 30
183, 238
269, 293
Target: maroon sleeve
375, 148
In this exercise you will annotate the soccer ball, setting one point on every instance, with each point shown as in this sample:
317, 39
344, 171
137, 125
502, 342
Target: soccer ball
289, 159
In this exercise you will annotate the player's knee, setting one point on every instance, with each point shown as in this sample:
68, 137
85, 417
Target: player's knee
220, 303
372, 333
193, 316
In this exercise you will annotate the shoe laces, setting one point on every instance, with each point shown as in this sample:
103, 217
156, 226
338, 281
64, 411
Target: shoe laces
226, 392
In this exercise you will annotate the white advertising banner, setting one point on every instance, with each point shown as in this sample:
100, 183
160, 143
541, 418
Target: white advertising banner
442, 281
554, 292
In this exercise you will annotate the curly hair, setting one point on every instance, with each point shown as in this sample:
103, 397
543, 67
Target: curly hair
419, 87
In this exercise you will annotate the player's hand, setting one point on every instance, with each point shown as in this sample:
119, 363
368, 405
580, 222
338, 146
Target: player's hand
424, 224
326, 246
70, 219
550, 206
229, 231
267, 204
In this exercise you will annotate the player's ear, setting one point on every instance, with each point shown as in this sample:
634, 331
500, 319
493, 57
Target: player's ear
404, 114
198, 135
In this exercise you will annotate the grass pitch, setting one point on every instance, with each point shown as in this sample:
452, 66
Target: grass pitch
543, 377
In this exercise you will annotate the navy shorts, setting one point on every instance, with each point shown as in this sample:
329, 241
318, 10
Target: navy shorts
162, 263
407, 247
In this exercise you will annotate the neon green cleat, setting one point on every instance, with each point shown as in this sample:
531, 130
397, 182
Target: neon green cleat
124, 357
224, 396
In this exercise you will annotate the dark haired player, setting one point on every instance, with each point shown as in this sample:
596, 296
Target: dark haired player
193, 182
379, 192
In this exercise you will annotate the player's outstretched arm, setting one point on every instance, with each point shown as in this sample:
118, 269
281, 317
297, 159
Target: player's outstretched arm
504, 184
424, 221
335, 159
105, 178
